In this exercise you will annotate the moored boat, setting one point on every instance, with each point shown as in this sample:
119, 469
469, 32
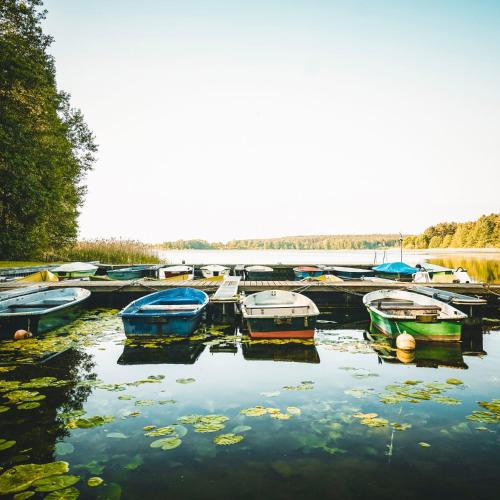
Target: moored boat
258, 273
212, 271
75, 270
395, 271
303, 272
170, 312
280, 314
399, 311
40, 311
128, 273
40, 276
349, 273
179, 272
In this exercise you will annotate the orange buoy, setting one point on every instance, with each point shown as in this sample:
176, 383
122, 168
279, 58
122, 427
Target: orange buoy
22, 334
405, 342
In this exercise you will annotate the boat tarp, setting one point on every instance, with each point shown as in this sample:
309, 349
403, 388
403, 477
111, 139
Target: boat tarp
395, 268
38, 277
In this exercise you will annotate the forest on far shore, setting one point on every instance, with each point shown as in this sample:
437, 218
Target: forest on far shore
482, 233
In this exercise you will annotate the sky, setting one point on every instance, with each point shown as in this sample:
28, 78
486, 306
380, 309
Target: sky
249, 119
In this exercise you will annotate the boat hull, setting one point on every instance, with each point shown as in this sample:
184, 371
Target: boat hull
300, 275
259, 275
181, 326
123, 275
39, 323
75, 274
442, 330
282, 327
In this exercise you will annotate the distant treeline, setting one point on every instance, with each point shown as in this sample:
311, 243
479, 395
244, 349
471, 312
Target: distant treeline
483, 233
322, 242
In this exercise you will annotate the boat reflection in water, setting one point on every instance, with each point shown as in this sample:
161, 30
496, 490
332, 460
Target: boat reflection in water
298, 351
425, 355
180, 351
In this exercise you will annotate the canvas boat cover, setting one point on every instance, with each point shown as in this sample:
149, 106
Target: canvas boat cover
395, 268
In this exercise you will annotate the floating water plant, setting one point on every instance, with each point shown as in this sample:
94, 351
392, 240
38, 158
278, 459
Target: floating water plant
185, 380
161, 431
95, 481
227, 439
166, 443
87, 423
54, 483
5, 444
21, 477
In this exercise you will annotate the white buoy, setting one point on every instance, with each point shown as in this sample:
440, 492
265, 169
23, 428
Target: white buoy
22, 334
405, 342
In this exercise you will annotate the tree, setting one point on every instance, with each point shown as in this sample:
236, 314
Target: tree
46, 148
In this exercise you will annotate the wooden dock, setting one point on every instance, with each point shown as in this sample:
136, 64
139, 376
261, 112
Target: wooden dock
145, 286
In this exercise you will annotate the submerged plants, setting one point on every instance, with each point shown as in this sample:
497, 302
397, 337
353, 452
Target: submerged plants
227, 439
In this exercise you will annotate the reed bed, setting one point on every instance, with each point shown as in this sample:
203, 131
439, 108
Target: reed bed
108, 251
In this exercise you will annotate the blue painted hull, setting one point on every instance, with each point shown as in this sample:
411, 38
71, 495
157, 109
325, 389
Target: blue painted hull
175, 312
162, 325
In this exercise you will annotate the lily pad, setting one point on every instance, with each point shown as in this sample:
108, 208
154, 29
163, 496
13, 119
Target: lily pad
161, 431
20, 477
227, 439
166, 443
256, 411
5, 444
281, 416
454, 381
66, 494
116, 435
185, 380
63, 448
95, 481
189, 419
293, 410
23, 495
28, 406
136, 462
400, 427
241, 428
54, 483
208, 427
423, 444
87, 423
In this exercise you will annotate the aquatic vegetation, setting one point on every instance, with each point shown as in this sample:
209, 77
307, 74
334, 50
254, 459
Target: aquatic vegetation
185, 380
400, 426
256, 411
135, 463
454, 381
166, 443
95, 481
161, 431
241, 428
374, 422
358, 392
189, 419
63, 448
145, 402
21, 477
149, 427
227, 439
365, 415
281, 416
87, 423
28, 406
116, 435
5, 444
423, 444
54, 483
307, 385
23, 495
293, 410
490, 416
66, 494
415, 392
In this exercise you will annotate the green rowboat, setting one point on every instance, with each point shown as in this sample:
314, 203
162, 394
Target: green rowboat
398, 311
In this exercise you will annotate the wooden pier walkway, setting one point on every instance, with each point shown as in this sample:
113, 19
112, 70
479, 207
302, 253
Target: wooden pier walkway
227, 291
145, 286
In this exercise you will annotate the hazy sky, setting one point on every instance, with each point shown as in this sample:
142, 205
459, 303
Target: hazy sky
235, 119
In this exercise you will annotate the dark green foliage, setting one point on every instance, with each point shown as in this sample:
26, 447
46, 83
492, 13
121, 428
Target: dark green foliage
483, 233
321, 242
45, 146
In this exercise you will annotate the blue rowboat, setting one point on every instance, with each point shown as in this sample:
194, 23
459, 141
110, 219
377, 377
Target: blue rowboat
128, 273
170, 312
40, 311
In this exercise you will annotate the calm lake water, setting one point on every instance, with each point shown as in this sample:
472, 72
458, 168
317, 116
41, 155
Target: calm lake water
482, 265
303, 411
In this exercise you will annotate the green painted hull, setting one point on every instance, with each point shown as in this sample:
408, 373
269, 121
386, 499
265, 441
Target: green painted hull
443, 331
76, 274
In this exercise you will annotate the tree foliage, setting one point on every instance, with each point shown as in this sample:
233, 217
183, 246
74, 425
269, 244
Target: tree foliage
483, 233
45, 146
321, 242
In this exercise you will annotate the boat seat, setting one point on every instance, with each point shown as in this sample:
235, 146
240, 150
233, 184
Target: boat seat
44, 304
413, 307
169, 307
273, 300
